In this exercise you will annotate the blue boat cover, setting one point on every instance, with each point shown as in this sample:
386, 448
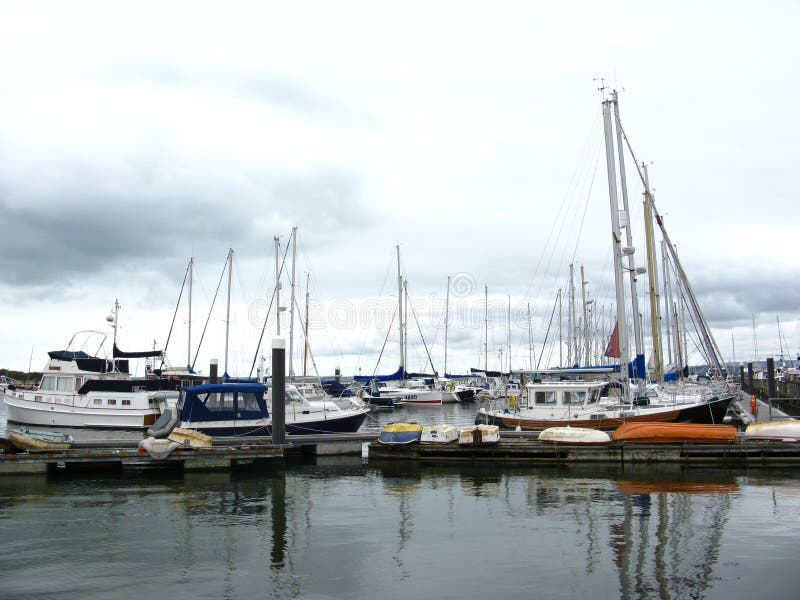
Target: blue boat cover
211, 402
396, 376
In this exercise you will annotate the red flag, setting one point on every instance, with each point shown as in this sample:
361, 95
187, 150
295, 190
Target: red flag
612, 349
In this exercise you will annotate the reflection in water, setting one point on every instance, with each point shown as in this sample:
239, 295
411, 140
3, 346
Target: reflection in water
339, 529
670, 551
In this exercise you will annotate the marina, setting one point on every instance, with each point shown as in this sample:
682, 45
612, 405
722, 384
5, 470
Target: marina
429, 301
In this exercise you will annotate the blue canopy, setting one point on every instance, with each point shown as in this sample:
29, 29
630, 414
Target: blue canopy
211, 402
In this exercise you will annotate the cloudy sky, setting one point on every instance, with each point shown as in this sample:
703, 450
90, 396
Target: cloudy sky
136, 136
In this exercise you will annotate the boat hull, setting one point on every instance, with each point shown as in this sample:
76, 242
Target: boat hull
674, 433
32, 440
574, 435
263, 427
400, 434
709, 412
31, 412
785, 431
475, 435
439, 434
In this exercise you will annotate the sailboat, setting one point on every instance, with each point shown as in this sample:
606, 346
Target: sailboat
606, 397
413, 388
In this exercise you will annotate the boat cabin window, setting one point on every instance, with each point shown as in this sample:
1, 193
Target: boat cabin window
48, 384
248, 401
545, 397
221, 401
594, 395
66, 384
97, 401
111, 401
574, 397
230, 401
294, 396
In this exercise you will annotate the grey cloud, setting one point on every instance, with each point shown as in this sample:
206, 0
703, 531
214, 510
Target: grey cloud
85, 229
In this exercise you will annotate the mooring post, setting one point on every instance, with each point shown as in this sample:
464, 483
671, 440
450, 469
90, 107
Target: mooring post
212, 370
770, 382
741, 375
278, 391
750, 387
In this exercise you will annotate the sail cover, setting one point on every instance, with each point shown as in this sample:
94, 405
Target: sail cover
147, 354
396, 376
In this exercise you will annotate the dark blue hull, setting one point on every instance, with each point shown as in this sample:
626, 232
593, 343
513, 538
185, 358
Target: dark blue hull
349, 424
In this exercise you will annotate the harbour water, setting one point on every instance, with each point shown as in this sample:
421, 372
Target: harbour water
348, 528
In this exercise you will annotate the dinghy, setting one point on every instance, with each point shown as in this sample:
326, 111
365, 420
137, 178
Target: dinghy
439, 434
785, 431
34, 440
190, 437
673, 433
574, 435
479, 434
157, 448
393, 434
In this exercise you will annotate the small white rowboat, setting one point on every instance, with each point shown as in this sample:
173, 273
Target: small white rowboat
574, 435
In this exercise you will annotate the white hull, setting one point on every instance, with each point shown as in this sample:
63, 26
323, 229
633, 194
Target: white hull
450, 397
574, 435
479, 434
74, 412
785, 431
421, 396
439, 434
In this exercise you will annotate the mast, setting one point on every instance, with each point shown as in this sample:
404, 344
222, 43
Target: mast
616, 240
571, 325
189, 320
667, 302
486, 328
400, 313
228, 309
530, 340
405, 325
291, 303
632, 271
305, 336
586, 350
560, 332
652, 278
678, 354
509, 336
114, 325
277, 285
446, 319
755, 339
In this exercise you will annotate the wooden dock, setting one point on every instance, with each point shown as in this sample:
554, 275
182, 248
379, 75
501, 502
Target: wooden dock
512, 450
121, 458
226, 453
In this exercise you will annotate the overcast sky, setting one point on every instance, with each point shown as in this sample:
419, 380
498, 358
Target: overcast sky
135, 136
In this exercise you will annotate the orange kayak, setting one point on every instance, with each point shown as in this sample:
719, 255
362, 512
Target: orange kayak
672, 433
